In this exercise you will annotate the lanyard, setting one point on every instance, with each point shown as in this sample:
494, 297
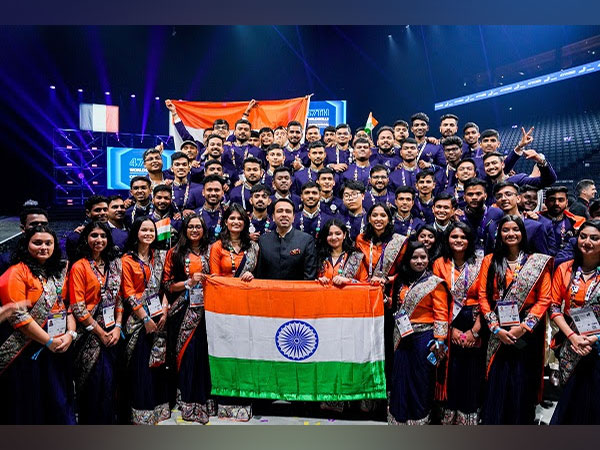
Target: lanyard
185, 197
96, 270
379, 261
143, 267
340, 263
591, 288
232, 258
466, 280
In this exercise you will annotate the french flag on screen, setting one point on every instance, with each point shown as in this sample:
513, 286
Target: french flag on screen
95, 117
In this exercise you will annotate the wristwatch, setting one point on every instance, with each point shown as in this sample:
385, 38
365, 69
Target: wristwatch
475, 334
73, 334
543, 158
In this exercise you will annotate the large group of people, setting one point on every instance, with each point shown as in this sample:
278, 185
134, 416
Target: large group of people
478, 265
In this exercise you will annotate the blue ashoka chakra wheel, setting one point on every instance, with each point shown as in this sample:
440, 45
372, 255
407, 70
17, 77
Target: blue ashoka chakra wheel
296, 340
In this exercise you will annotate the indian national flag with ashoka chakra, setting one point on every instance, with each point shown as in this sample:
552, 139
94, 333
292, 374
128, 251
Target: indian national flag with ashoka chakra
294, 340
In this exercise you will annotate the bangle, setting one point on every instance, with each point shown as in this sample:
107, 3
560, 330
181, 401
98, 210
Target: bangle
496, 330
186, 285
118, 325
570, 334
91, 327
49, 343
146, 319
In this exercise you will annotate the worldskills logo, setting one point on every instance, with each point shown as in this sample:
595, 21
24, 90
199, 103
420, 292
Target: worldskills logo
296, 340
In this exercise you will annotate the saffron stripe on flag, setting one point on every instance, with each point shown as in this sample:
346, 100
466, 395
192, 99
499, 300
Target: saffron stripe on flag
323, 381
298, 299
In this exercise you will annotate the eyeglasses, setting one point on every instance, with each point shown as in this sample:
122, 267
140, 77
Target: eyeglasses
505, 194
351, 195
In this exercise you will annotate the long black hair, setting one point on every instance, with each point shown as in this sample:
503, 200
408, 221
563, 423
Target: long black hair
183, 245
83, 248
225, 235
406, 275
446, 251
131, 246
53, 266
498, 266
389, 228
577, 256
434, 251
323, 248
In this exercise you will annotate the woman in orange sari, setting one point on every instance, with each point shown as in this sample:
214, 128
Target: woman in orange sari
35, 382
94, 283
382, 250
420, 333
234, 255
186, 267
459, 267
514, 293
146, 345
337, 259
575, 310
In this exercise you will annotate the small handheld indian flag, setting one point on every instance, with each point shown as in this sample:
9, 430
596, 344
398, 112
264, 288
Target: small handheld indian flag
371, 123
163, 229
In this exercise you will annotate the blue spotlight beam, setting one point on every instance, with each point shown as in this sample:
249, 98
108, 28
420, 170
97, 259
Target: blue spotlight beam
561, 75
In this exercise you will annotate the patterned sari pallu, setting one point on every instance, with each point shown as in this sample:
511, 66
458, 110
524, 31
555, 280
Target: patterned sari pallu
517, 293
412, 299
389, 256
568, 359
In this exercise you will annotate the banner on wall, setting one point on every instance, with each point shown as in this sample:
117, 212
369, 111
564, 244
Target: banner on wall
122, 164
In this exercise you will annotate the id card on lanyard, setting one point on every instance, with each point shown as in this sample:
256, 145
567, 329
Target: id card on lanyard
153, 301
108, 314
57, 324
584, 317
154, 305
508, 314
403, 323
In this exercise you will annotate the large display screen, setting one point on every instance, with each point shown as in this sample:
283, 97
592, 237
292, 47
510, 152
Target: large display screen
325, 113
125, 163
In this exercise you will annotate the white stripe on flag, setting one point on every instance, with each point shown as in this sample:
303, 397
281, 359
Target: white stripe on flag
99, 117
355, 340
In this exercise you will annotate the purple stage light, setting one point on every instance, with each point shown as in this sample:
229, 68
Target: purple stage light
52, 87
80, 175
132, 95
80, 90
107, 93
156, 98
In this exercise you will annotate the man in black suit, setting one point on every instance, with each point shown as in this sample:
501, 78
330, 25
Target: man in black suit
286, 253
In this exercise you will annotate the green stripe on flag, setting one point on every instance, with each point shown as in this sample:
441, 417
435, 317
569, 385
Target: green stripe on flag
318, 381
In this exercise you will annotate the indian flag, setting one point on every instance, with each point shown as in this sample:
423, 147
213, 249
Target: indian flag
295, 340
371, 123
95, 117
163, 229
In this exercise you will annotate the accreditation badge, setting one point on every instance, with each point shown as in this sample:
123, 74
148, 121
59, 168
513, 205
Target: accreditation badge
108, 314
154, 305
57, 324
508, 314
403, 323
585, 320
